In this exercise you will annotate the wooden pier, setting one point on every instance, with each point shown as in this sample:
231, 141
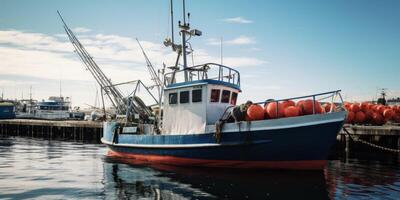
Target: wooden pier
83, 131
385, 138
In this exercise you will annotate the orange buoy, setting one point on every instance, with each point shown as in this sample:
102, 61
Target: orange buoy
292, 111
347, 105
255, 112
378, 119
374, 107
350, 117
327, 107
355, 107
388, 114
368, 115
380, 109
396, 118
364, 106
270, 109
307, 107
288, 103
359, 117
299, 105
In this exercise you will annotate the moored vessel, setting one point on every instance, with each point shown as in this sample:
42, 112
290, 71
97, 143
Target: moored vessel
195, 122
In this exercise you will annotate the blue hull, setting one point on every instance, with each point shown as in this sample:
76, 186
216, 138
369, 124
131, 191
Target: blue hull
263, 146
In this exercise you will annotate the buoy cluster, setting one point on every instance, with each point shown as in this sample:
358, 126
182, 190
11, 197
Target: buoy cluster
289, 108
368, 113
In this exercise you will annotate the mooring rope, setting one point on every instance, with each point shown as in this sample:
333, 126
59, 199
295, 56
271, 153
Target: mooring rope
370, 144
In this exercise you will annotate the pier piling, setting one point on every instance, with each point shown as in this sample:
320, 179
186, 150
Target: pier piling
84, 131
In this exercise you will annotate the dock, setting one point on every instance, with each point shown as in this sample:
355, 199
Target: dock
385, 138
83, 131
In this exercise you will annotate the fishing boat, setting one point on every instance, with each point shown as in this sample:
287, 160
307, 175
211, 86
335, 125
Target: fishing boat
7, 109
192, 128
56, 107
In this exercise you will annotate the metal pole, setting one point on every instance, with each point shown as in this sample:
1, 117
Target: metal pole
183, 31
104, 108
313, 105
222, 60
172, 22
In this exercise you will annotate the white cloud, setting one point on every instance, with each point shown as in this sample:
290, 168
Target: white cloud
238, 20
42, 57
12, 83
81, 30
241, 40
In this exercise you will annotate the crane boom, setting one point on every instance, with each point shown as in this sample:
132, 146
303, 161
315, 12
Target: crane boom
113, 93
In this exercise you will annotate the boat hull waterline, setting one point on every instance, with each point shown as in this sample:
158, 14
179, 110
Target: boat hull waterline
290, 143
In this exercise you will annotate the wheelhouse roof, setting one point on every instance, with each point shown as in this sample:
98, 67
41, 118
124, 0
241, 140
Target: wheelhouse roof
202, 82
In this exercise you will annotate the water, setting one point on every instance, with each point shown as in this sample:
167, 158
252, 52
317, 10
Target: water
41, 169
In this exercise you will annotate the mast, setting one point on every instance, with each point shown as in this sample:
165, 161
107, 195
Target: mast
184, 28
172, 21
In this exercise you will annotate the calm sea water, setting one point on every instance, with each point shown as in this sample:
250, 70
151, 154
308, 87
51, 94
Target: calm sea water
41, 169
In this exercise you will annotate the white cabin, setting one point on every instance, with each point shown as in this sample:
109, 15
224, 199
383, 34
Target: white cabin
190, 106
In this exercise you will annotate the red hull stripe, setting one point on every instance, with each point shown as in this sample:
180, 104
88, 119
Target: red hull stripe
171, 160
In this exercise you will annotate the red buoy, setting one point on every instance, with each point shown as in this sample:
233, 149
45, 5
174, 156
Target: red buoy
388, 114
255, 112
349, 117
291, 111
378, 119
307, 107
368, 115
364, 106
355, 107
380, 109
347, 105
288, 103
327, 107
299, 105
396, 118
270, 109
359, 118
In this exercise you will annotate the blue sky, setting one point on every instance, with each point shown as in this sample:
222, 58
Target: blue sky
282, 48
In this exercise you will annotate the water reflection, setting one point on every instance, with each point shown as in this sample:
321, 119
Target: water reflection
363, 179
33, 168
131, 180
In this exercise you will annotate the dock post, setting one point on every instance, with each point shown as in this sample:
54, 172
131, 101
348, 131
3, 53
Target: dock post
398, 143
347, 148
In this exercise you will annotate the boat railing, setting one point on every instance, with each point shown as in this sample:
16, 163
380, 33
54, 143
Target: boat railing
332, 96
208, 71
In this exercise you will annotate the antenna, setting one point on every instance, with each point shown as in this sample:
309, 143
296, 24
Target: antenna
184, 28
222, 59
172, 21
30, 92
60, 89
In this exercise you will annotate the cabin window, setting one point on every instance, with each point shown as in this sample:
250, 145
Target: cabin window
215, 95
173, 98
225, 96
184, 97
234, 98
196, 95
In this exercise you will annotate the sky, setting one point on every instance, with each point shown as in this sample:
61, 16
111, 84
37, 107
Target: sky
281, 48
